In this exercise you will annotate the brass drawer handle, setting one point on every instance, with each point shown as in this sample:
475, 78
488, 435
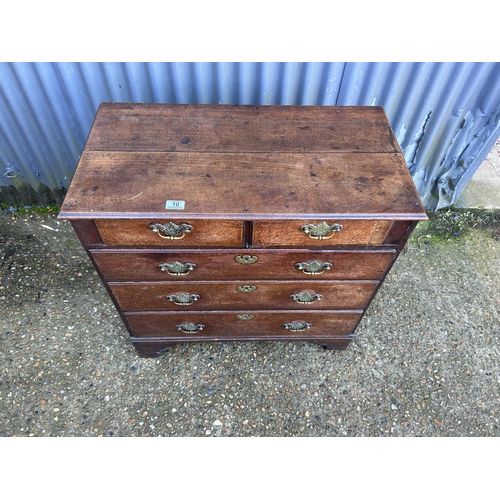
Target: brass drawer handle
306, 297
183, 298
170, 230
245, 317
177, 268
246, 259
247, 288
190, 328
297, 326
322, 230
313, 267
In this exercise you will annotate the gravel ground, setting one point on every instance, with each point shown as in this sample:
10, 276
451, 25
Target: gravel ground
425, 360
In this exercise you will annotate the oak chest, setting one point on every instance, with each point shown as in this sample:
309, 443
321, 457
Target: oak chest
241, 223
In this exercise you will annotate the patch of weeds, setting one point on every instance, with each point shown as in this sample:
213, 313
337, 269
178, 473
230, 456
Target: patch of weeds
4, 207
447, 223
452, 223
29, 209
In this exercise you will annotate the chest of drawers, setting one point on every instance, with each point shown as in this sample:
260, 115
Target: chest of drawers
241, 223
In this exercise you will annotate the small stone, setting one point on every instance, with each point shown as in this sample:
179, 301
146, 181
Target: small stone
307, 413
394, 407
217, 423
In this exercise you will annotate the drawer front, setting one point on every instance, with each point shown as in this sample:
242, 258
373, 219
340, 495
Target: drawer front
212, 296
249, 324
320, 232
149, 265
170, 233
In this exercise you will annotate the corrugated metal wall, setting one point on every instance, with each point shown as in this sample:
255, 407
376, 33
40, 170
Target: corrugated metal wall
446, 115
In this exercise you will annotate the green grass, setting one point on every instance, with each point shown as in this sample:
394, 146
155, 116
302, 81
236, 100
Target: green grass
34, 209
452, 223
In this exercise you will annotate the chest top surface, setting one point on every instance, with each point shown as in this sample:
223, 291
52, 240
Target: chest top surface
241, 162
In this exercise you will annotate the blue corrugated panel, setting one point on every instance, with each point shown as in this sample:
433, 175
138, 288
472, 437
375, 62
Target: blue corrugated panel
446, 115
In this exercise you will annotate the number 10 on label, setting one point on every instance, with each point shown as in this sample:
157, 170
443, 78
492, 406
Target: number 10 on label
175, 204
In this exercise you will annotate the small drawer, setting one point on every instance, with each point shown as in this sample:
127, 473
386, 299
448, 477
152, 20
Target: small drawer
320, 232
212, 296
251, 264
170, 233
251, 325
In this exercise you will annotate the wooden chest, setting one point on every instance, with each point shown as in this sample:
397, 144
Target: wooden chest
238, 223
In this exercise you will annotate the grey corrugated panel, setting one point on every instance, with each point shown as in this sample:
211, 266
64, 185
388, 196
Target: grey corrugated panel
36, 141
446, 115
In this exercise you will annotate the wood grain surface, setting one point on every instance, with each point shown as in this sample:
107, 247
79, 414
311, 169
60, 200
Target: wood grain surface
226, 324
240, 128
136, 233
213, 265
243, 186
289, 233
223, 295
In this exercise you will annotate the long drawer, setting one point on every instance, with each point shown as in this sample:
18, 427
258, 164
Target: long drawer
190, 326
192, 265
224, 295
